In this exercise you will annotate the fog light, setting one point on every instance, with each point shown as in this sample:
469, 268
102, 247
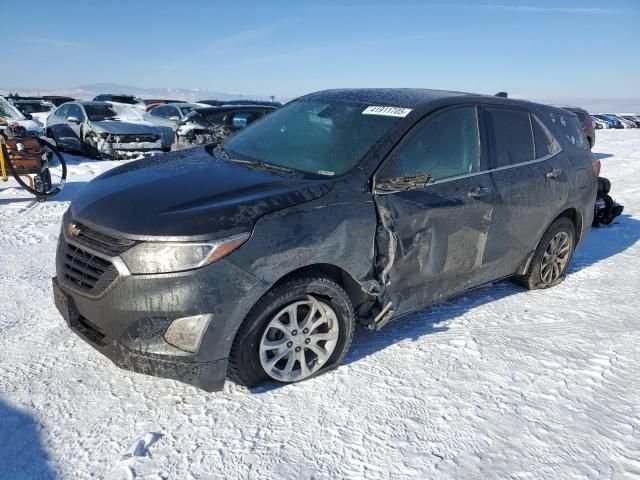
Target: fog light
186, 333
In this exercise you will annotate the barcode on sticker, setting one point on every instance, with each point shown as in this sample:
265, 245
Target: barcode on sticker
388, 111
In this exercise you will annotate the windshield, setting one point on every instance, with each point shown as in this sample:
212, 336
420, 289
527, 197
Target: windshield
127, 113
97, 113
320, 137
9, 111
34, 107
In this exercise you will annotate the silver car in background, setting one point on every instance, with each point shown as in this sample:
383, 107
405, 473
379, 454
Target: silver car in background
97, 130
170, 114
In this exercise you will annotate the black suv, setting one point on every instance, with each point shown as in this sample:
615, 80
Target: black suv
257, 256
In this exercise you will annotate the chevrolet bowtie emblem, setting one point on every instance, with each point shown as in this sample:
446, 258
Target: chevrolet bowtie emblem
73, 229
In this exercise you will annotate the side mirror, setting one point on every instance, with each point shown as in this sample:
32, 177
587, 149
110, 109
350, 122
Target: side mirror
175, 118
73, 119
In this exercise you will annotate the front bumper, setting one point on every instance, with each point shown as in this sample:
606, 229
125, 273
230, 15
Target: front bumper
127, 321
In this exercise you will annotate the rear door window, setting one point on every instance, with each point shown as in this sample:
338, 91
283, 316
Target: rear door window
512, 136
445, 145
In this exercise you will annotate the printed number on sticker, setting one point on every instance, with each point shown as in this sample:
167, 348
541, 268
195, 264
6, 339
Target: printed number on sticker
388, 111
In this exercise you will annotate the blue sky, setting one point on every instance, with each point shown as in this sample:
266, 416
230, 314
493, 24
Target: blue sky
538, 49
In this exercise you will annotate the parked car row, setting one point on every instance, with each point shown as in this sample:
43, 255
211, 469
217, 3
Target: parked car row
205, 121
610, 120
121, 126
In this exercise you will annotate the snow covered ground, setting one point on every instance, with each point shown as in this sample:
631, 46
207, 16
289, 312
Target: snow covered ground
501, 383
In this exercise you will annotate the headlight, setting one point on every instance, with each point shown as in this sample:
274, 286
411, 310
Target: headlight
167, 257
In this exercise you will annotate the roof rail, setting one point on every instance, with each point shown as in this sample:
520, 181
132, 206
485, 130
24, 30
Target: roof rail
501, 94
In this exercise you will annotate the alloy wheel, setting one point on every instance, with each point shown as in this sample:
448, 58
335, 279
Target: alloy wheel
555, 257
299, 340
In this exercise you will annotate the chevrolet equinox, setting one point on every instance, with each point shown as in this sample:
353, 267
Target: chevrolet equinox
255, 258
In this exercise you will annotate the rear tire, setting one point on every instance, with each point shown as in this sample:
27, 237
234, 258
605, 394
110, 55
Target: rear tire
552, 256
270, 345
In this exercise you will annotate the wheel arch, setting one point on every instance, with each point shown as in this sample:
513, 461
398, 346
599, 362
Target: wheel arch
576, 218
342, 277
570, 213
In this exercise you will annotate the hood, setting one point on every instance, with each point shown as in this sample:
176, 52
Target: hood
30, 125
122, 128
187, 194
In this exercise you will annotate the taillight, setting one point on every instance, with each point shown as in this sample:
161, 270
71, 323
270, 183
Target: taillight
595, 163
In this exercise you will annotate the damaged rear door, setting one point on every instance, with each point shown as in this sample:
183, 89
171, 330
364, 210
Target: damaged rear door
434, 202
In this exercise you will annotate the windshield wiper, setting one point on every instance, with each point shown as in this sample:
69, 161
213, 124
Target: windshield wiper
223, 154
261, 165
404, 183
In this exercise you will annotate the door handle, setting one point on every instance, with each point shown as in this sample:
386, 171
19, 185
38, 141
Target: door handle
553, 173
476, 192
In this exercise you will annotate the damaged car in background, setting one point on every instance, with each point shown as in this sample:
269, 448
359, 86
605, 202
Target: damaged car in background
170, 114
97, 130
255, 258
38, 110
216, 124
12, 115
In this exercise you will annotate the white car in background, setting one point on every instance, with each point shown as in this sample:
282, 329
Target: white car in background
599, 124
39, 110
12, 114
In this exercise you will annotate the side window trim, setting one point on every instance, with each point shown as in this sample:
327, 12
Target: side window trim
481, 134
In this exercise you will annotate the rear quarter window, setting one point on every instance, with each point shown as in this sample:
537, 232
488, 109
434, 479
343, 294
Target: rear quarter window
568, 126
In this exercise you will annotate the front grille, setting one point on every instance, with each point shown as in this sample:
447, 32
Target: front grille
100, 241
130, 138
83, 270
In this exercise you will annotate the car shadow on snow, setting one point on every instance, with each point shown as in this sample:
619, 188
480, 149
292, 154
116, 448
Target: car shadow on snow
600, 244
601, 156
22, 455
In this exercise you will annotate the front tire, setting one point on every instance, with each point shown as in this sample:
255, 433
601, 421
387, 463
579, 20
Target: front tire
296, 331
552, 256
89, 146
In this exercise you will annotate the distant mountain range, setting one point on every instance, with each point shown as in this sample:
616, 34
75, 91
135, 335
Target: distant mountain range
88, 92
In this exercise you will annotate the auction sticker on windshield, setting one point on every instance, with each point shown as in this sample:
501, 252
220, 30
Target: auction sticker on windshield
387, 111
